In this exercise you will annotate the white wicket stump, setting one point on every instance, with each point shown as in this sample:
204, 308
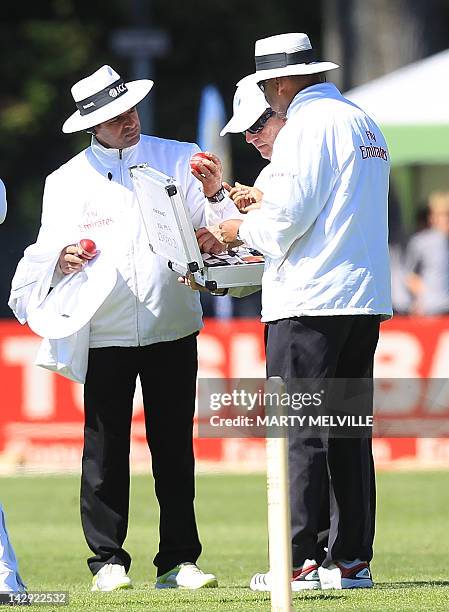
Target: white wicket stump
279, 533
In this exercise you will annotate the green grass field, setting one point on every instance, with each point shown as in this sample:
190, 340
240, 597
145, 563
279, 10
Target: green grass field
411, 566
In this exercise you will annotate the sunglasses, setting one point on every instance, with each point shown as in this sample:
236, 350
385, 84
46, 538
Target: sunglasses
261, 122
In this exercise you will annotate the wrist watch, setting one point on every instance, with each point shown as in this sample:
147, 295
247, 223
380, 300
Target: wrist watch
219, 196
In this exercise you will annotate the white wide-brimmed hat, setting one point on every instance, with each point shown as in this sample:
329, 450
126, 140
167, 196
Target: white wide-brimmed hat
102, 96
286, 55
74, 300
249, 104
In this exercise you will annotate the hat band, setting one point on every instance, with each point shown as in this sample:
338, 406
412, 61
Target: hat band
101, 98
282, 60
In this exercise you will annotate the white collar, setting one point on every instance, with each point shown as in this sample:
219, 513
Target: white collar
106, 156
314, 92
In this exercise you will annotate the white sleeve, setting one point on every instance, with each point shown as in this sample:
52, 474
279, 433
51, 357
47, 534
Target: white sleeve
204, 213
57, 229
300, 181
226, 209
37, 268
3, 205
221, 211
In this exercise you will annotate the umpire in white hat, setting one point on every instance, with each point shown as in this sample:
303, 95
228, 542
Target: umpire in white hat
322, 227
146, 327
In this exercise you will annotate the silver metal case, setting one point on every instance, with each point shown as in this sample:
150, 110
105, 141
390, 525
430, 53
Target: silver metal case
171, 235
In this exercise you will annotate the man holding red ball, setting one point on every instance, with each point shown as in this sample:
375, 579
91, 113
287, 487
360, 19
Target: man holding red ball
146, 327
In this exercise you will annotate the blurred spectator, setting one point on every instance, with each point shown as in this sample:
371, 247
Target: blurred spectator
427, 260
422, 218
396, 243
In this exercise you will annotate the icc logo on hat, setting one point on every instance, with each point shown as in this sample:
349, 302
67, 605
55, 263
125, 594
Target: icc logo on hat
115, 91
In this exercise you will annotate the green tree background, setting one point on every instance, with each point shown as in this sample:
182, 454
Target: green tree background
48, 45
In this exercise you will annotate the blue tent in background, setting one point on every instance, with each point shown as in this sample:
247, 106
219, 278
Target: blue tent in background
211, 119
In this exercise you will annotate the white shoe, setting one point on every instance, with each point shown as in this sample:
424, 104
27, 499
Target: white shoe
303, 579
111, 577
186, 576
346, 575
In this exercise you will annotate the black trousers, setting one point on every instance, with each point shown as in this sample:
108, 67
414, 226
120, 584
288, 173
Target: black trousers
167, 373
327, 347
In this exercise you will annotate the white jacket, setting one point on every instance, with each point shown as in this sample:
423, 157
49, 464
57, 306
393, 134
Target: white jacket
323, 222
91, 196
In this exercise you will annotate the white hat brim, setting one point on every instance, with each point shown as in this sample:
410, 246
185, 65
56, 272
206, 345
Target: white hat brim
241, 122
74, 301
249, 112
137, 90
293, 70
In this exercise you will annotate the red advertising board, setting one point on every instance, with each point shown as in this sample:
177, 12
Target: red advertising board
41, 419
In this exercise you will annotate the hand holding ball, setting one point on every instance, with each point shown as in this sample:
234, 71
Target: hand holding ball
198, 158
89, 248
207, 168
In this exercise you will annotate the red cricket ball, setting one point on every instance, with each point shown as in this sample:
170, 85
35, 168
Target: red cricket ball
198, 157
88, 246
